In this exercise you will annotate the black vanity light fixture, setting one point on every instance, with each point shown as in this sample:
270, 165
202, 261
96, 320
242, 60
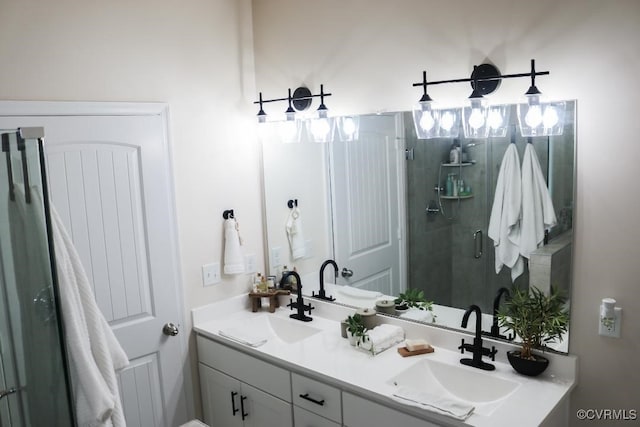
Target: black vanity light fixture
320, 126
479, 118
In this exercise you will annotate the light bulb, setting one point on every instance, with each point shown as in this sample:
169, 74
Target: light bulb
348, 126
447, 120
550, 117
533, 118
495, 119
476, 119
427, 121
320, 129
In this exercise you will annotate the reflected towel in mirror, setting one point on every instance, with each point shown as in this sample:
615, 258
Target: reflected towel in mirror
537, 207
295, 234
504, 223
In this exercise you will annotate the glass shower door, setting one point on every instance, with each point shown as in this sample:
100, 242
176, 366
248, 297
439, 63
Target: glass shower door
33, 383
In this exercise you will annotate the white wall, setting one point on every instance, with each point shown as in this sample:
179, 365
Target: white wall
368, 52
195, 55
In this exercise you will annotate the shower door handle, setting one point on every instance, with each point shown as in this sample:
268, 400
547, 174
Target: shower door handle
477, 242
5, 393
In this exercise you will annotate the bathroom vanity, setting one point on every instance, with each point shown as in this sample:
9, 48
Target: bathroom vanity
306, 374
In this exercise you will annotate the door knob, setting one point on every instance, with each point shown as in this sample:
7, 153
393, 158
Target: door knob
346, 272
170, 329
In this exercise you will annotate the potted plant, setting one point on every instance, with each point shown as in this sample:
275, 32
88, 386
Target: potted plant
413, 298
537, 319
356, 331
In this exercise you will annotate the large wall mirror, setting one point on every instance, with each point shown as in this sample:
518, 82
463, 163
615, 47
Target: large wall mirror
384, 209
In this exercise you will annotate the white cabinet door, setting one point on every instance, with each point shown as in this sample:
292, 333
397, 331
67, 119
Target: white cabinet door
262, 409
220, 398
359, 412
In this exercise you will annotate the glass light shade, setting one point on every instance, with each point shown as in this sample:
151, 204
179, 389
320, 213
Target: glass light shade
425, 120
289, 130
498, 121
321, 128
538, 118
449, 123
474, 120
349, 128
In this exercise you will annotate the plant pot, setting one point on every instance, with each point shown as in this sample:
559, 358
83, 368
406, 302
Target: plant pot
353, 339
401, 309
527, 367
343, 329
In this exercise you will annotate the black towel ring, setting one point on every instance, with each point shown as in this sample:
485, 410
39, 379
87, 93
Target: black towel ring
228, 214
292, 203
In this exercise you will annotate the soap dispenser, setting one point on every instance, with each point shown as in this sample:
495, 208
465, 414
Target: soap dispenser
449, 185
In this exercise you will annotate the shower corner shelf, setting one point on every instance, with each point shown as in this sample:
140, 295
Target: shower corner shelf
456, 197
457, 165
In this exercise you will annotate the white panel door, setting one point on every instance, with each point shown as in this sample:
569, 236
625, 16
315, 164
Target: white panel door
367, 229
110, 181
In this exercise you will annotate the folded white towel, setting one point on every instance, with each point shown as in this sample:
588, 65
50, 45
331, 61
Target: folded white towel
358, 293
243, 337
504, 223
537, 207
233, 260
295, 234
435, 403
382, 337
417, 314
94, 351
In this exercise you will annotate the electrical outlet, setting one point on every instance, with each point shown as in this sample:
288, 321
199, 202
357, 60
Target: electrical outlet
211, 274
250, 263
610, 327
276, 260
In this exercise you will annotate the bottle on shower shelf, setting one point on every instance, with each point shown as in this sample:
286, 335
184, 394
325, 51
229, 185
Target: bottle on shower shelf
449, 185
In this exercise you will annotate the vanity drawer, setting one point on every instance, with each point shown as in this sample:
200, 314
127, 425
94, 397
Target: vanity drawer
262, 375
304, 418
359, 412
317, 397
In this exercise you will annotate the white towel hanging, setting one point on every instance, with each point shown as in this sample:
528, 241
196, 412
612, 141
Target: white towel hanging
233, 260
295, 234
504, 223
538, 213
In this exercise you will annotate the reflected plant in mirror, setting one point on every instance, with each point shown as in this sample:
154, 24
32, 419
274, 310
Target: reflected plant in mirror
403, 214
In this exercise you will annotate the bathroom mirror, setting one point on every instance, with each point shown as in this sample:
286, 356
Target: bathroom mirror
381, 207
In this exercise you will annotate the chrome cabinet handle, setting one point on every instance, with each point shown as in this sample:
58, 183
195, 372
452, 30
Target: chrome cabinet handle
170, 329
311, 399
233, 403
346, 272
478, 244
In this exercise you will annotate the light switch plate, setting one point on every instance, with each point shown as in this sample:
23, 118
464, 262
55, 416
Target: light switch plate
211, 274
276, 259
250, 263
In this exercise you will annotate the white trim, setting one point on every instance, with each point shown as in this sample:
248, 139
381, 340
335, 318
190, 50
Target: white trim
77, 108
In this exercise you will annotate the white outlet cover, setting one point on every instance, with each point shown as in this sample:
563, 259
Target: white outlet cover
276, 259
250, 263
613, 330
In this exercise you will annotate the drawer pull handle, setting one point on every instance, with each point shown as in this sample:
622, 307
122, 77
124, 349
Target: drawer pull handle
244, 415
233, 403
311, 399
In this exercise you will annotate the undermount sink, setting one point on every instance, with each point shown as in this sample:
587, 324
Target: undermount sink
484, 390
269, 326
289, 330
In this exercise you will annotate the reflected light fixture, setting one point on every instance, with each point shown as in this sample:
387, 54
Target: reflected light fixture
321, 127
349, 128
481, 120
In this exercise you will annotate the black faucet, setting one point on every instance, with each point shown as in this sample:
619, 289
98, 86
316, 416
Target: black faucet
495, 329
299, 304
321, 293
476, 348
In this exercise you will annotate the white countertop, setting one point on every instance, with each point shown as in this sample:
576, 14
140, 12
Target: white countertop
329, 357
